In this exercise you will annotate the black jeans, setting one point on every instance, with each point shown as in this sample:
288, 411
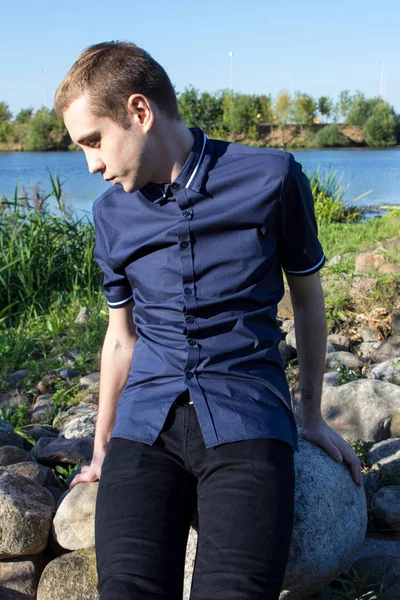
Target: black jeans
147, 494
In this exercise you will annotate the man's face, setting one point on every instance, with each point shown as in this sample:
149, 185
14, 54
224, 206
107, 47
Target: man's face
120, 155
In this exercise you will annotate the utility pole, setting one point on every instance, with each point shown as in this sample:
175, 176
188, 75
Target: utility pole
231, 71
44, 72
382, 92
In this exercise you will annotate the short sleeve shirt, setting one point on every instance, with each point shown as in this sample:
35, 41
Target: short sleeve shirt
202, 258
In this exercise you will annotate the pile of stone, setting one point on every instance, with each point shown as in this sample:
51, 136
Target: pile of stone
47, 544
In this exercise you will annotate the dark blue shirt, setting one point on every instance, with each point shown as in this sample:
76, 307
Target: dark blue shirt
202, 258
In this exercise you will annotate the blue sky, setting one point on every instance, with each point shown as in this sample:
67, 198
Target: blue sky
314, 47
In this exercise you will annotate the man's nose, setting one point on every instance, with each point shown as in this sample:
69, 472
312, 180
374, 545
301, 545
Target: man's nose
95, 164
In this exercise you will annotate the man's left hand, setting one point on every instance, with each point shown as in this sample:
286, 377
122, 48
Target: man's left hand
320, 433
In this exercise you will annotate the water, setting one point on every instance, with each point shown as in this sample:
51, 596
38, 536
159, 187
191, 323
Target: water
362, 169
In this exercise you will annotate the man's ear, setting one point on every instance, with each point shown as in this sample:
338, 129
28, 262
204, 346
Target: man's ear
140, 111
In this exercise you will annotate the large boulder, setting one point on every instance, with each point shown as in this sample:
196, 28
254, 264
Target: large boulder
72, 576
73, 525
31, 470
329, 525
26, 512
364, 409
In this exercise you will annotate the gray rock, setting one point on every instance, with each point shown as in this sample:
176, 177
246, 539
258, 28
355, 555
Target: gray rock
287, 325
80, 427
81, 410
13, 399
386, 371
331, 379
91, 381
396, 324
291, 339
51, 452
386, 507
73, 525
389, 348
335, 260
286, 352
291, 342
372, 482
5, 426
381, 559
41, 430
368, 348
385, 453
26, 511
19, 577
365, 409
31, 470
72, 576
11, 439
341, 343
335, 360
42, 408
83, 315
17, 376
368, 334
10, 455
327, 500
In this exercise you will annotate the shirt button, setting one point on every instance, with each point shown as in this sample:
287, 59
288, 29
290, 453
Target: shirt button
175, 187
184, 245
189, 375
186, 213
188, 291
189, 319
192, 342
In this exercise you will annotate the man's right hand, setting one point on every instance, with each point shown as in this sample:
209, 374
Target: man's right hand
88, 473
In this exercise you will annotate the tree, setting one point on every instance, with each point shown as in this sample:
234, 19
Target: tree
24, 115
282, 107
303, 109
345, 101
5, 113
361, 109
380, 127
325, 106
210, 112
47, 131
188, 103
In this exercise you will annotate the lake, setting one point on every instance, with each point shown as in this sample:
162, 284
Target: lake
361, 169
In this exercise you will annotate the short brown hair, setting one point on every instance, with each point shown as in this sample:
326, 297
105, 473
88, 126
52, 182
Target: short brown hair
109, 73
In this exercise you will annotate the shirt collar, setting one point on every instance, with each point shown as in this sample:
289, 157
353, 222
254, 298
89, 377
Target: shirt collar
193, 173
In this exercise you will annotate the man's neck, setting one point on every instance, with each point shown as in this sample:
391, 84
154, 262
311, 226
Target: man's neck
174, 144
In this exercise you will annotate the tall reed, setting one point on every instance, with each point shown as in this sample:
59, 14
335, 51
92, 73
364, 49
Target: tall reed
42, 253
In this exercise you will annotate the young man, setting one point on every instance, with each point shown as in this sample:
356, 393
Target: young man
194, 404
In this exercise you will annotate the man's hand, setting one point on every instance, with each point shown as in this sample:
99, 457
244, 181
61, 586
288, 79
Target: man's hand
89, 474
318, 432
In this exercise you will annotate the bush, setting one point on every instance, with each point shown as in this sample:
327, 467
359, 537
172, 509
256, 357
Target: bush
331, 136
380, 128
328, 198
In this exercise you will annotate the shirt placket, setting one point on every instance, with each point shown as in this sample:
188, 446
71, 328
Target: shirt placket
185, 241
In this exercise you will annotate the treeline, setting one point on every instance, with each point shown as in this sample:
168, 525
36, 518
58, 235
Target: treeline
227, 114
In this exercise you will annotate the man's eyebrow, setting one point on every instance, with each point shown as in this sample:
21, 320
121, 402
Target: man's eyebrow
88, 137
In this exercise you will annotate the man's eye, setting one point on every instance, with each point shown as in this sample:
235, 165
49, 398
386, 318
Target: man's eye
94, 144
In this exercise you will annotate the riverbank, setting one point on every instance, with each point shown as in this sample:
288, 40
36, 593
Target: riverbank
270, 136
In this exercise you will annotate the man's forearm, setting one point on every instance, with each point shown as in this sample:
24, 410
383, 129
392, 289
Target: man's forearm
116, 359
311, 335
